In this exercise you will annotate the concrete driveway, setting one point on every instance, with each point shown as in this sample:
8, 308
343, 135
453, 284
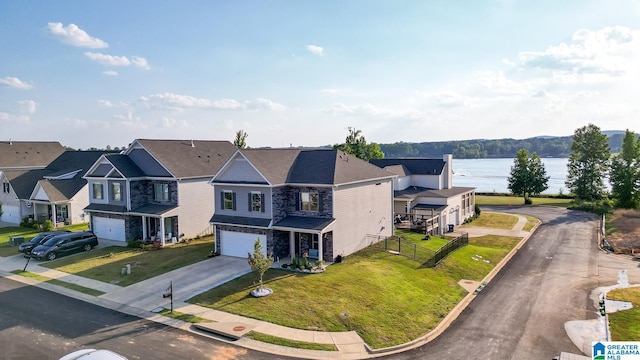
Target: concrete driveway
187, 282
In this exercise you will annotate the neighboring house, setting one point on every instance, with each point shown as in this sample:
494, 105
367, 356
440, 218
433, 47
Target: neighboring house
155, 190
424, 194
324, 203
22, 156
58, 192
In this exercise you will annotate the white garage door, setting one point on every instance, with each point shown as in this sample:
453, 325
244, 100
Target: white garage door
109, 229
10, 214
240, 244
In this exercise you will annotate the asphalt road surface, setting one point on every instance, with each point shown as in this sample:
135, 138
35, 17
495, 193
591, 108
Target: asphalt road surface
39, 324
521, 313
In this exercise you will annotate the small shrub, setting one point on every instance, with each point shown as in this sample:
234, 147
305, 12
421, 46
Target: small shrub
284, 266
47, 225
477, 210
135, 244
294, 263
528, 201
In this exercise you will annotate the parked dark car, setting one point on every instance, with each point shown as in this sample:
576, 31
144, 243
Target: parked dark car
37, 240
64, 244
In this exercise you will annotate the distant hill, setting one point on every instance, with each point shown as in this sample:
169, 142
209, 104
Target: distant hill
544, 146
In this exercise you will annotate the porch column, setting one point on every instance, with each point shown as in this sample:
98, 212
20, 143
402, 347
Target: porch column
161, 231
292, 245
54, 216
144, 228
320, 253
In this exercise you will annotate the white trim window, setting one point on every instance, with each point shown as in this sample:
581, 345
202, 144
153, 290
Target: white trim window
256, 201
116, 191
98, 192
6, 188
161, 192
309, 201
228, 200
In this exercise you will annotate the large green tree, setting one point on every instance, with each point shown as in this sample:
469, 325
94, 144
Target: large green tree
624, 175
356, 145
588, 163
241, 139
528, 175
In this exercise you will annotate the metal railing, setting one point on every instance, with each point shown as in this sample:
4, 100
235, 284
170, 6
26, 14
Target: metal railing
447, 249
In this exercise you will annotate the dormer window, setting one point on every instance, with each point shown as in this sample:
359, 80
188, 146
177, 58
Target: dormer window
97, 191
116, 192
309, 201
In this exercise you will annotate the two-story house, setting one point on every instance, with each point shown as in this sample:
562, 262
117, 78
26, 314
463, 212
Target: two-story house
21, 156
58, 192
424, 193
155, 190
324, 203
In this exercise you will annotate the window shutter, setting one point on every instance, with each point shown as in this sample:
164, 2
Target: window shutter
250, 207
233, 197
221, 200
262, 203
319, 202
297, 201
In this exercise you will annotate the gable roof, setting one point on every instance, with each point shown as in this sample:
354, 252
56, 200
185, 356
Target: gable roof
318, 166
23, 155
189, 158
69, 162
125, 165
411, 166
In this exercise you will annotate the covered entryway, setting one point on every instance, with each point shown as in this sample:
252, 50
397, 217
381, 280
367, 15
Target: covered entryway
108, 229
10, 214
240, 244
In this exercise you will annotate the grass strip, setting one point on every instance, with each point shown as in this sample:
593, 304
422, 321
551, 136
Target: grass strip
79, 288
289, 343
625, 325
495, 220
182, 316
512, 200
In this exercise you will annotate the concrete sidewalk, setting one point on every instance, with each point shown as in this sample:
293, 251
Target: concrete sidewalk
142, 298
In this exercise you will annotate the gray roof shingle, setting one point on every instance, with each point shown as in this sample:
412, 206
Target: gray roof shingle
411, 166
321, 166
22, 155
183, 160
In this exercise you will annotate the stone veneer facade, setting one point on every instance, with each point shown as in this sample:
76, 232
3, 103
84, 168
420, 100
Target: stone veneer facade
142, 193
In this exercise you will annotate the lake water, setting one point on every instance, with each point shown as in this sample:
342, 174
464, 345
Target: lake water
490, 175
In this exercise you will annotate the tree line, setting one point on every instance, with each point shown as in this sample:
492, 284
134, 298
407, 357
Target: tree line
591, 163
555, 147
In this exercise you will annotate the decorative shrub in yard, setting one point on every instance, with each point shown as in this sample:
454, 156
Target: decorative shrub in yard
260, 263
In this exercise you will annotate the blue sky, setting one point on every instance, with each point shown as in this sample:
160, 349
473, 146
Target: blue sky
89, 73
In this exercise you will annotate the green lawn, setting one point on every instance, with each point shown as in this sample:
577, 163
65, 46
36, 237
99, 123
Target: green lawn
512, 200
625, 325
386, 298
433, 243
494, 220
106, 264
7, 232
531, 222
289, 343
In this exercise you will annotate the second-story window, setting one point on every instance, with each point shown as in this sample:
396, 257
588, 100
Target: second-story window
161, 192
6, 188
116, 192
309, 201
228, 200
256, 202
97, 192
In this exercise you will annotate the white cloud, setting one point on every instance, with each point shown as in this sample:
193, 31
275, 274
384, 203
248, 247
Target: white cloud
131, 121
171, 101
169, 123
75, 123
6, 117
73, 35
27, 106
316, 50
14, 82
611, 51
110, 73
111, 60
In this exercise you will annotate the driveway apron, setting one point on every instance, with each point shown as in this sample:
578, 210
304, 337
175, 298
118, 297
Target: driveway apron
187, 282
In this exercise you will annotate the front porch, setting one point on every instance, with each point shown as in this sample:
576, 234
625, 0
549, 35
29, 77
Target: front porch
43, 210
297, 236
158, 224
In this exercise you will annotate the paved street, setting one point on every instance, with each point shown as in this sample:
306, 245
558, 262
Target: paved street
39, 324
